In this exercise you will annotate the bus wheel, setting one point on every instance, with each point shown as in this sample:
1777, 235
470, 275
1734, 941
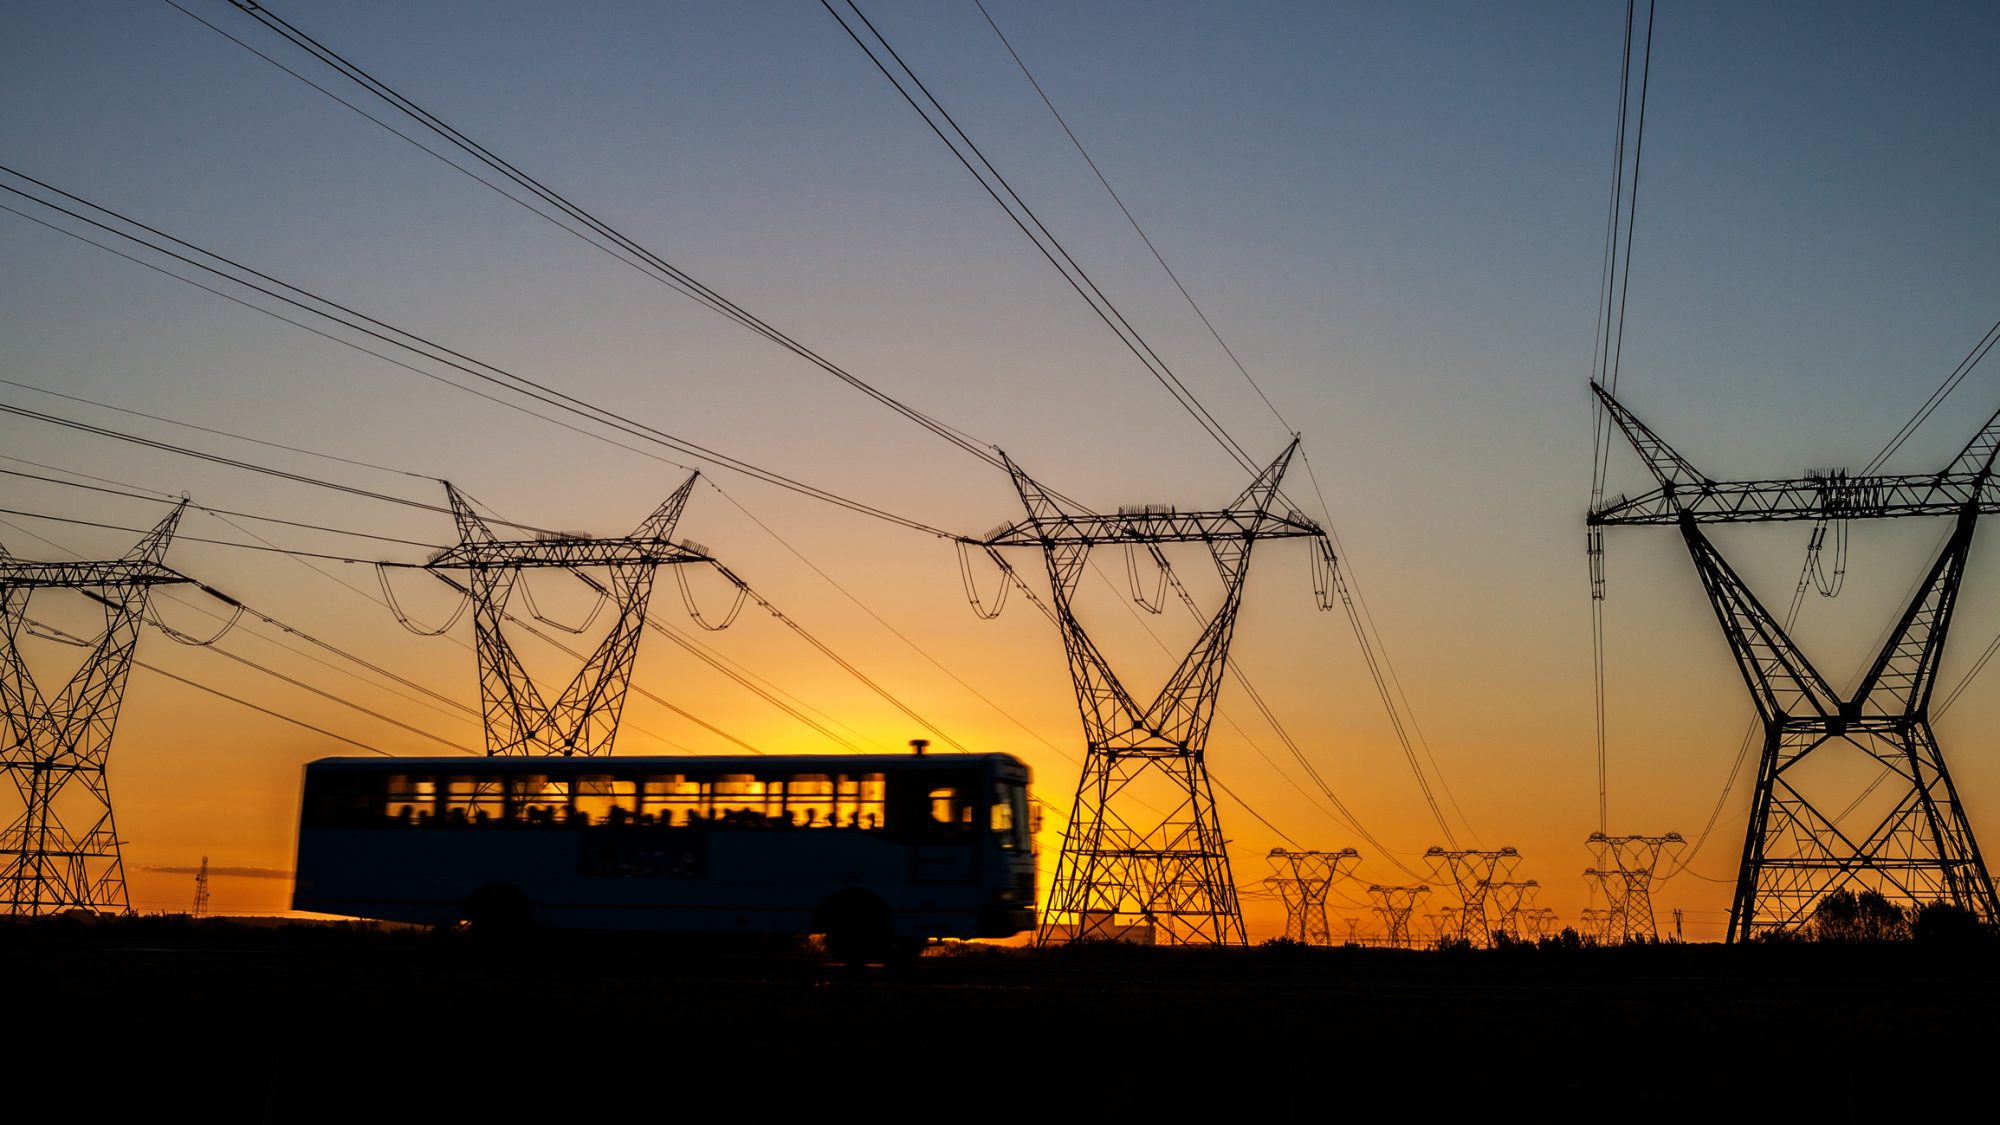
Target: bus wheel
497, 912
858, 928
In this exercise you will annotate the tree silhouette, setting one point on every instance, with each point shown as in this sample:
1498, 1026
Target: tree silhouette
1846, 916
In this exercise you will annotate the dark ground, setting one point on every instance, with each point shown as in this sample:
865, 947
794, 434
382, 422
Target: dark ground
317, 1022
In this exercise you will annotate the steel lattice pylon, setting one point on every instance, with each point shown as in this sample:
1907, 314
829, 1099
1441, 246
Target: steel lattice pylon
1168, 871
1507, 900
583, 720
60, 850
1395, 905
1913, 844
1537, 923
1472, 874
1302, 881
1624, 873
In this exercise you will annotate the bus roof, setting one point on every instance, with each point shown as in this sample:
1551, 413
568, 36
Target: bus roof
802, 763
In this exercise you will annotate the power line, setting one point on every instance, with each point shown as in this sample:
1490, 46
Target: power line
182, 538
68, 638
329, 310
1023, 217
619, 245
1936, 398
895, 632
1052, 249
215, 511
1607, 354
218, 432
1129, 217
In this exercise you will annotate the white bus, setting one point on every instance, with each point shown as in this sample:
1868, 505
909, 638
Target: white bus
876, 852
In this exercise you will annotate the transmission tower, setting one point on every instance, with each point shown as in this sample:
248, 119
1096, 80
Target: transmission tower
1122, 862
1595, 923
201, 890
1507, 900
1538, 923
1608, 923
1624, 871
1395, 905
1443, 924
1472, 874
60, 849
1303, 880
583, 720
1912, 842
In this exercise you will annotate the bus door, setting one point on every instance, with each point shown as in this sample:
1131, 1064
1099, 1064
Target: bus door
938, 811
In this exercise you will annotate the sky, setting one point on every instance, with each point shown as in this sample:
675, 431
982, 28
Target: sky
1393, 213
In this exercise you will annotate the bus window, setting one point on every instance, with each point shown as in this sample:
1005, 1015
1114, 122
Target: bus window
742, 800
809, 800
536, 798
470, 799
1009, 817
410, 798
1001, 818
948, 806
858, 801
670, 799
600, 798
345, 801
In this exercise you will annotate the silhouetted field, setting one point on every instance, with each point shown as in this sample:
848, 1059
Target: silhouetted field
321, 1023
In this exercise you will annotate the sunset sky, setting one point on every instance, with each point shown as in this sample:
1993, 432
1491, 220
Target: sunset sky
1393, 213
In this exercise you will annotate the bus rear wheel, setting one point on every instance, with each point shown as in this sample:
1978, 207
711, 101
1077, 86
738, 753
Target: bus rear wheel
857, 928
497, 912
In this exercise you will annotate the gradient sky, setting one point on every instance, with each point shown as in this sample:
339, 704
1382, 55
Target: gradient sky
1393, 212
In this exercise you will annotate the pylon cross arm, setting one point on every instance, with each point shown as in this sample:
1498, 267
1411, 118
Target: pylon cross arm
85, 575
1803, 498
567, 552
1177, 527
1686, 494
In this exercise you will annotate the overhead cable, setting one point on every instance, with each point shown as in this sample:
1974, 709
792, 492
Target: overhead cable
601, 234
116, 224
940, 122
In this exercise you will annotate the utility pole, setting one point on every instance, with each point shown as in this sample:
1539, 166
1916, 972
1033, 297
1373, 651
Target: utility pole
1303, 880
1144, 847
583, 720
1814, 828
59, 848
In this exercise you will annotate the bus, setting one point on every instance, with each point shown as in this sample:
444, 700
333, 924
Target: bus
878, 853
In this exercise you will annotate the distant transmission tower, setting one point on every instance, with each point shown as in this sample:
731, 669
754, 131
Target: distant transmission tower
1624, 871
1537, 923
1395, 905
1507, 901
1852, 791
1124, 864
1472, 874
60, 849
201, 890
1595, 924
1303, 881
584, 719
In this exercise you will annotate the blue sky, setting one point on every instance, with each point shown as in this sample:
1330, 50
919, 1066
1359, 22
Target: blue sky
1393, 212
